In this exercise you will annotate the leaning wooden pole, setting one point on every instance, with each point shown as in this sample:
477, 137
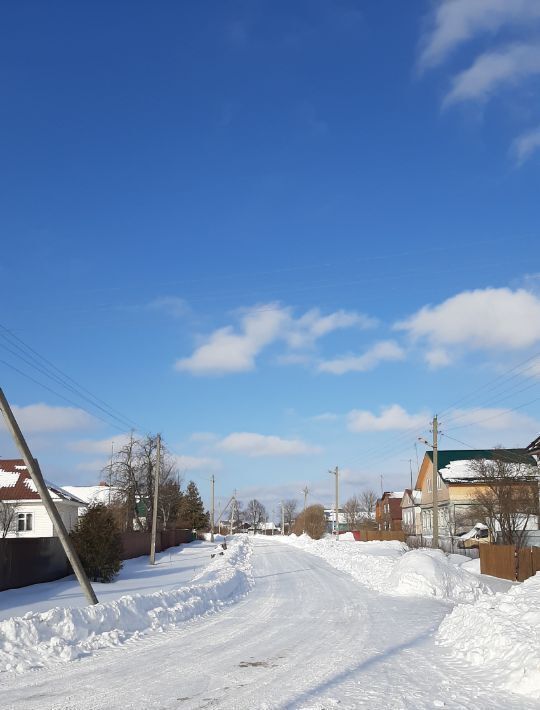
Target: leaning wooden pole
37, 477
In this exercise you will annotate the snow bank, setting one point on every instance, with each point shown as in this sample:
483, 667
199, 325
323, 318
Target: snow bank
502, 634
430, 573
390, 567
64, 634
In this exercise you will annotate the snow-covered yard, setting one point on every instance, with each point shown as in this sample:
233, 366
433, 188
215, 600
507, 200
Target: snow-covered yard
300, 624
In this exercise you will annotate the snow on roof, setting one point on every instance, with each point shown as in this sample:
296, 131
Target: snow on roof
93, 494
396, 494
460, 471
16, 484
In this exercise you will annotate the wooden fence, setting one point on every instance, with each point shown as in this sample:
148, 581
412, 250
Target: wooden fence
373, 535
509, 562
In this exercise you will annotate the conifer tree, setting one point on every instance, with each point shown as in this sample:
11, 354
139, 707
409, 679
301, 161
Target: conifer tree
98, 542
192, 513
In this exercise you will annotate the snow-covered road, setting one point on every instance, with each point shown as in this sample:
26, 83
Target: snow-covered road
306, 636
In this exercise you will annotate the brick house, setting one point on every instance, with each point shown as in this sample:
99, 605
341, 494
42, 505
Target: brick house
388, 514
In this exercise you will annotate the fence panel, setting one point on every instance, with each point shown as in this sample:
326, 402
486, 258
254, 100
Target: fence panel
498, 561
31, 560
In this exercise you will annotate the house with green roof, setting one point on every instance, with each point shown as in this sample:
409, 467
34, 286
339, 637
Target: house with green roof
459, 486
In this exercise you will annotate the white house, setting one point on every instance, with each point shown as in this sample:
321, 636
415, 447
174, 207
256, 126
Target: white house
102, 493
411, 512
31, 519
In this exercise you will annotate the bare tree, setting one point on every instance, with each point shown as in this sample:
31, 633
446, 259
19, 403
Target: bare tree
508, 497
289, 511
351, 510
132, 473
7, 518
314, 524
368, 501
255, 513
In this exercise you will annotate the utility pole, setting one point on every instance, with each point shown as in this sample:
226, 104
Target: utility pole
37, 478
435, 542
155, 505
305, 491
212, 509
381, 485
233, 509
282, 518
335, 473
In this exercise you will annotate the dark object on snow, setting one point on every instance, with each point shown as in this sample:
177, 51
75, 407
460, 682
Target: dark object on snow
219, 549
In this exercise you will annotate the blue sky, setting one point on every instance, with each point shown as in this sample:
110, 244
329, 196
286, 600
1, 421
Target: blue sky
282, 234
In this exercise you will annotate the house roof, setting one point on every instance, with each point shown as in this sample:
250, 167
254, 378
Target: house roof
534, 446
16, 484
445, 457
414, 496
94, 494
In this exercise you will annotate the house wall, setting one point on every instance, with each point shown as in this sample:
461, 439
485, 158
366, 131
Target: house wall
41, 523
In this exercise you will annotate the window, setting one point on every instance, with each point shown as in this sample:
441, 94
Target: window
24, 522
439, 483
429, 485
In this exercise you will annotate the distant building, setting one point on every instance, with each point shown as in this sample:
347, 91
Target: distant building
330, 517
411, 512
388, 513
30, 518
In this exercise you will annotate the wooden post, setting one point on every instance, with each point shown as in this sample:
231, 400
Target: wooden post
37, 478
156, 501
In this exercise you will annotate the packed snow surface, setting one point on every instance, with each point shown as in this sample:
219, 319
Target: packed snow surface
63, 634
502, 635
306, 636
390, 567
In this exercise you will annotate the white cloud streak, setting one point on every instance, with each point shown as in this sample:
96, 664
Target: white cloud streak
455, 22
259, 445
385, 350
196, 463
525, 145
494, 70
230, 350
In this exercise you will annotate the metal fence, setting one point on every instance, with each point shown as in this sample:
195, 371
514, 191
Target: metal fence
32, 560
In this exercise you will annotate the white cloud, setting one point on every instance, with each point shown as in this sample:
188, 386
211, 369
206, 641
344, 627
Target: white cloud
493, 70
492, 418
437, 357
44, 418
386, 350
525, 145
491, 318
196, 463
312, 325
229, 350
100, 446
393, 417
457, 21
259, 445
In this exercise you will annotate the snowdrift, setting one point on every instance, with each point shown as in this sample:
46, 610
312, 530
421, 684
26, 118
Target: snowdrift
390, 567
501, 634
64, 634
430, 573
